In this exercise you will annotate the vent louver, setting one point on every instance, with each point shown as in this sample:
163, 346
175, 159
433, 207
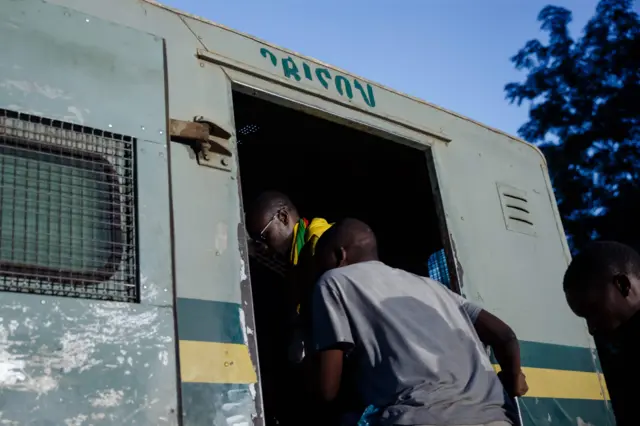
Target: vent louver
516, 210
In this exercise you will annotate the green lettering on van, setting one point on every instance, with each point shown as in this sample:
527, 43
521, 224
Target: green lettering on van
344, 86
322, 73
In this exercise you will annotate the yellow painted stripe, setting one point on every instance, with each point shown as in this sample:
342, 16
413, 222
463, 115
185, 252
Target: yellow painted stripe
213, 362
548, 383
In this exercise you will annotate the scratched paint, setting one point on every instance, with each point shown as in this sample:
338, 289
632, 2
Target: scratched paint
27, 87
243, 326
243, 270
48, 345
24, 88
235, 412
222, 238
327, 79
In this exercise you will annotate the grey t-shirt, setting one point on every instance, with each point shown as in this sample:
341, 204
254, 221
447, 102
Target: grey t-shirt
417, 352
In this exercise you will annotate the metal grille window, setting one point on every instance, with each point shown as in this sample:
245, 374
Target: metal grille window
438, 269
67, 210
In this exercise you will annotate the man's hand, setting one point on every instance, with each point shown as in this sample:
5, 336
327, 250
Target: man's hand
495, 333
514, 384
521, 387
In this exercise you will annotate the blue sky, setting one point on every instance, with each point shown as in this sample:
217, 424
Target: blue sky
454, 53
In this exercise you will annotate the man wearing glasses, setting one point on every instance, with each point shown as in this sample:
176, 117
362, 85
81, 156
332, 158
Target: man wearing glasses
275, 223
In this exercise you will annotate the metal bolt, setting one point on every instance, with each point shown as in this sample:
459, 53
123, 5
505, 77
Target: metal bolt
224, 162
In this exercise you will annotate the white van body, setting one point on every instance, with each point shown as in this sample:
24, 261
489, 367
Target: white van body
182, 349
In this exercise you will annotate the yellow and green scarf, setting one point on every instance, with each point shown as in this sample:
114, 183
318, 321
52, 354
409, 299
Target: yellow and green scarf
304, 232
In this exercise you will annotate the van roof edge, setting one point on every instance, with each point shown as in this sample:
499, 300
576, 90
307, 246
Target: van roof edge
379, 85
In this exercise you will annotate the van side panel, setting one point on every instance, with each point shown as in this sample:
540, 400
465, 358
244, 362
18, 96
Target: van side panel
513, 268
518, 273
67, 360
218, 364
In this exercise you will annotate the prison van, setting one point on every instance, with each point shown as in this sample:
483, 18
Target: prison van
130, 136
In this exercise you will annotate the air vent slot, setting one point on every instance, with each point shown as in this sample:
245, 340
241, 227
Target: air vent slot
516, 210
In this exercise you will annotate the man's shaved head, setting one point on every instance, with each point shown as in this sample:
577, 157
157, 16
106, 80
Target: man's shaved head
271, 218
347, 242
267, 204
602, 284
598, 263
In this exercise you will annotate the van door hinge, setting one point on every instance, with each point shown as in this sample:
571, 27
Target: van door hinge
209, 141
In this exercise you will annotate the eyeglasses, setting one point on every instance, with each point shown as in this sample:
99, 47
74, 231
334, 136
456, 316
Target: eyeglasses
275, 216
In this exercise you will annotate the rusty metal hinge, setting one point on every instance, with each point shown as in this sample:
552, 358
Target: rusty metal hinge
209, 141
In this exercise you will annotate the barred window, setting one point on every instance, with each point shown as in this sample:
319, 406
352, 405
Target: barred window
438, 269
67, 210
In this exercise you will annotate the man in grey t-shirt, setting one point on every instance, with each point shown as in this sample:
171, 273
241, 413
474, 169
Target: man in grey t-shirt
417, 347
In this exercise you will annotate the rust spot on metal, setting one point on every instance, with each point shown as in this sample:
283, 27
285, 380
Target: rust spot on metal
209, 141
188, 130
214, 129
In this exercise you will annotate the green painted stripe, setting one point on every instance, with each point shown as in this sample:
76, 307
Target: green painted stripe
209, 321
556, 357
561, 412
213, 404
213, 321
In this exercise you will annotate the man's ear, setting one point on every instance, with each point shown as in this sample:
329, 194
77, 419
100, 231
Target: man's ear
341, 256
283, 216
623, 284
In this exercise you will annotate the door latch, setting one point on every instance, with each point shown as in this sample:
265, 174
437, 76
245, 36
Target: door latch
209, 141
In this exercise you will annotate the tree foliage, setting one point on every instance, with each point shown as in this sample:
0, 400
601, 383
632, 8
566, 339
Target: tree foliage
584, 99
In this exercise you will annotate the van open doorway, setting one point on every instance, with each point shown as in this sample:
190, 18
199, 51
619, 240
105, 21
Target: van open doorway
332, 171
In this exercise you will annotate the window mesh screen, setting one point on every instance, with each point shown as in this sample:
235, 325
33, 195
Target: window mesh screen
438, 269
67, 210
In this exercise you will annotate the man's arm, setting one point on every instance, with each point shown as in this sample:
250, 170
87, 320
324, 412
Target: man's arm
493, 332
330, 373
331, 337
